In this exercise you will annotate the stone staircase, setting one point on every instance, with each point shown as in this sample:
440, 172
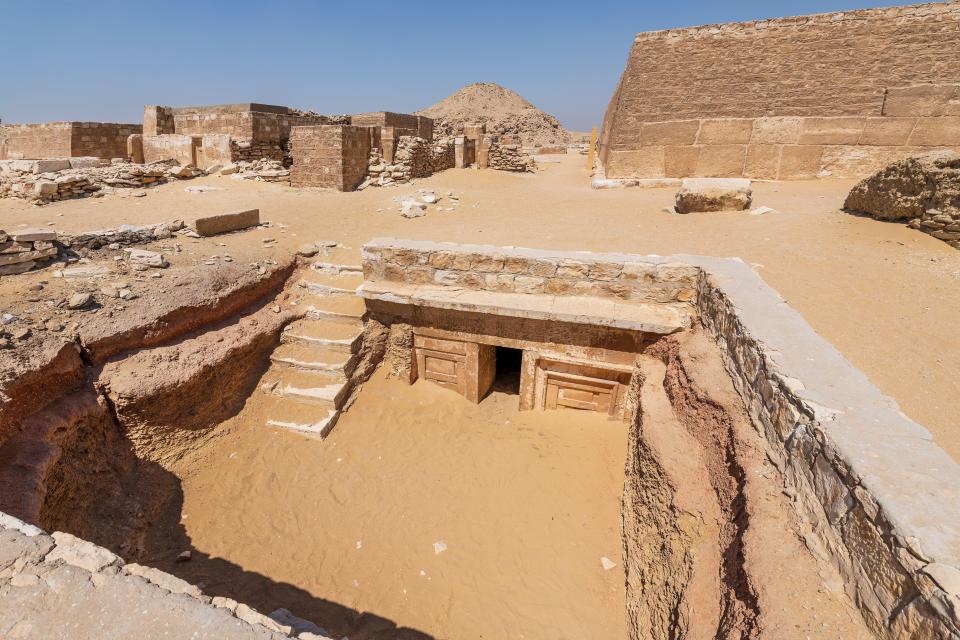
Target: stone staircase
309, 377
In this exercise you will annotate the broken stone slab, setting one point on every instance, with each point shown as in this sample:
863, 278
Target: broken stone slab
202, 188
31, 235
147, 258
714, 194
26, 256
181, 172
14, 269
251, 616
613, 183
79, 301
44, 188
85, 162
226, 222
162, 579
229, 169
51, 165
81, 553
84, 272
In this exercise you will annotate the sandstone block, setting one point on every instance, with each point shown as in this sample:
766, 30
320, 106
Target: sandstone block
147, 258
717, 194
831, 130
800, 162
26, 256
14, 269
887, 131
32, 235
226, 222
725, 131
923, 100
776, 130
645, 162
936, 132
721, 161
680, 162
762, 161
677, 132
49, 166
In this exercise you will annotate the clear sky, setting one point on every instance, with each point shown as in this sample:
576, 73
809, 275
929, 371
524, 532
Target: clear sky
103, 60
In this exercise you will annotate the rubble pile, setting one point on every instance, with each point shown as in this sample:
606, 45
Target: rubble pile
43, 181
923, 191
21, 251
509, 157
262, 170
503, 111
414, 158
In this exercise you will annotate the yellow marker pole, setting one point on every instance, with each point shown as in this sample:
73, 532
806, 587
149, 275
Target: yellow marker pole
592, 149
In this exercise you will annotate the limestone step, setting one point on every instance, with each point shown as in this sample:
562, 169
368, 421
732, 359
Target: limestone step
338, 255
342, 333
304, 417
336, 285
319, 307
308, 386
315, 358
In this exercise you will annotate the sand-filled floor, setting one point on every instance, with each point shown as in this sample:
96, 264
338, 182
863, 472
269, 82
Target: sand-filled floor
448, 519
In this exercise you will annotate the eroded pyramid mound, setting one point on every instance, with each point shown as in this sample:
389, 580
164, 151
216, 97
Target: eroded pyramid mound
504, 112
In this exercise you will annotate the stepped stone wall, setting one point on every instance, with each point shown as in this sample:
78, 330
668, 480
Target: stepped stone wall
838, 94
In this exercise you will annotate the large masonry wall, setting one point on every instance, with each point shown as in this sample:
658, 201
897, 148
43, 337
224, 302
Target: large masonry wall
830, 94
65, 140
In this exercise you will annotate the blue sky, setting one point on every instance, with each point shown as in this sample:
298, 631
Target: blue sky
71, 60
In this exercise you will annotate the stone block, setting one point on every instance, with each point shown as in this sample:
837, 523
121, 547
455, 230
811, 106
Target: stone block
714, 194
135, 148
923, 100
645, 162
762, 161
226, 222
800, 162
721, 161
49, 166
776, 130
86, 162
81, 553
831, 130
162, 579
45, 188
725, 131
33, 235
680, 162
676, 132
936, 132
887, 131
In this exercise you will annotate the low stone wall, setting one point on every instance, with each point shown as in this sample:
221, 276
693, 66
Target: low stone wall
508, 157
875, 496
514, 270
779, 148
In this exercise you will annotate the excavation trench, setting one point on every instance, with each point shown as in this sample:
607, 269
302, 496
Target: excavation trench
320, 456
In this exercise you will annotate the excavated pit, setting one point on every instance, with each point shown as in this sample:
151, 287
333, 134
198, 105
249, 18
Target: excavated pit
302, 470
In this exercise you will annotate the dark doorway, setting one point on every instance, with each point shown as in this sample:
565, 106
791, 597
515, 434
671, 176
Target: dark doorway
508, 370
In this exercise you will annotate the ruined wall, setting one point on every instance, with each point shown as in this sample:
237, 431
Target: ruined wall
65, 140
420, 126
787, 98
331, 156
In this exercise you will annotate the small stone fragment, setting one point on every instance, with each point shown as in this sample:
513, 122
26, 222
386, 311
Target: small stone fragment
79, 300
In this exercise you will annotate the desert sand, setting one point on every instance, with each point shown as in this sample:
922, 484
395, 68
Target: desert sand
885, 295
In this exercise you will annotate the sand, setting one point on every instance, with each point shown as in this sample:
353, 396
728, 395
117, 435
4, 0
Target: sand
885, 295
526, 505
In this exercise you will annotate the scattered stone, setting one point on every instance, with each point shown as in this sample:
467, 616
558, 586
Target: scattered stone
299, 625
714, 194
252, 616
163, 580
607, 563
185, 556
110, 292
233, 221
429, 198
139, 194
20, 334
439, 547
127, 294
79, 300
147, 258
411, 208
32, 235
202, 188
14, 269
53, 325
759, 211
308, 250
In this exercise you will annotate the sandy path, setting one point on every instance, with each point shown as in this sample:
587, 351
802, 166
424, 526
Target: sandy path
885, 295
527, 503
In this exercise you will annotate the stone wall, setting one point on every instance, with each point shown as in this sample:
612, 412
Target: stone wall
331, 156
874, 495
408, 124
65, 140
691, 101
507, 157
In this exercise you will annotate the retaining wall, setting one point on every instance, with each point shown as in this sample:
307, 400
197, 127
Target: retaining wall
829, 94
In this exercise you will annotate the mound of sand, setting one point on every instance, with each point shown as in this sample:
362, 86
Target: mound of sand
504, 112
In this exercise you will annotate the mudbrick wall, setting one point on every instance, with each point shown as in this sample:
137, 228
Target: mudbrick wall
65, 140
787, 98
876, 498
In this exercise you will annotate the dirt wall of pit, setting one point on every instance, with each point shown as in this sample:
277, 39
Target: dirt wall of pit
787, 98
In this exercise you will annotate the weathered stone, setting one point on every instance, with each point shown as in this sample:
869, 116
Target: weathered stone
31, 235
226, 222
909, 188
722, 194
147, 258
162, 579
79, 300
81, 553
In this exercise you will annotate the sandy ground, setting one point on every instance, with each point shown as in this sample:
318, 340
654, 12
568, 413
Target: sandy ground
885, 295
526, 504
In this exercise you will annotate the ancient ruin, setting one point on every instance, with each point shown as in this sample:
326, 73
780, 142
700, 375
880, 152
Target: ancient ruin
267, 373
